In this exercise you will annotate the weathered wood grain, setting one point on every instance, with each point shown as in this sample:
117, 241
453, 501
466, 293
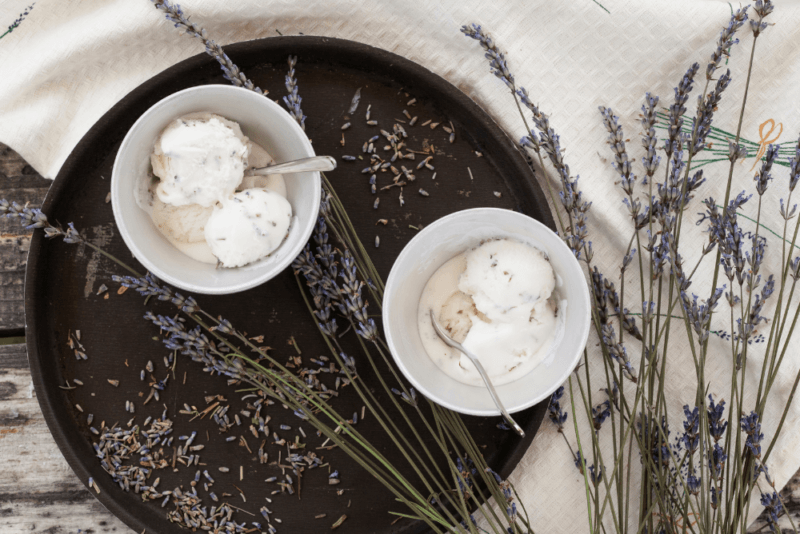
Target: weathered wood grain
38, 491
20, 183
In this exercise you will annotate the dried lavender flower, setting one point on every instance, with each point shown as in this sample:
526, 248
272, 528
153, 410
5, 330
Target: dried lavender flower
554, 411
716, 424
617, 141
19, 19
293, 100
736, 151
231, 72
774, 508
701, 125
675, 139
649, 139
497, 60
762, 9
726, 40
763, 176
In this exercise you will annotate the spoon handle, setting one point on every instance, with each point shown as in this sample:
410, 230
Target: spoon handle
492, 391
316, 163
474, 359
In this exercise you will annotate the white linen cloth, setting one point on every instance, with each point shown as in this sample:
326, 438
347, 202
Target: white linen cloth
68, 62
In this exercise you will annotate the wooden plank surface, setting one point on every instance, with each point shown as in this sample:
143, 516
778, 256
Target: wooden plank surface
19, 182
38, 491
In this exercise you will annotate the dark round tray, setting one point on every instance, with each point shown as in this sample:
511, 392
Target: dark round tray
62, 281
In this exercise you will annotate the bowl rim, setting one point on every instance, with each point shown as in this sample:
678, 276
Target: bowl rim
144, 259
583, 336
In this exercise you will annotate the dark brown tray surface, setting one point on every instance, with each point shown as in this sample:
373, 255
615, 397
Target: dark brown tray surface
62, 281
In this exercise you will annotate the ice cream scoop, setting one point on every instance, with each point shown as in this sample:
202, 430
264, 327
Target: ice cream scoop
200, 159
248, 226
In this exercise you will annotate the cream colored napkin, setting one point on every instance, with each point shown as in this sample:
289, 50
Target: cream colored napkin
67, 63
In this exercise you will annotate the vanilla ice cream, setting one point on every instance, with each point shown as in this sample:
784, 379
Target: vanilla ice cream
200, 159
248, 226
200, 200
497, 300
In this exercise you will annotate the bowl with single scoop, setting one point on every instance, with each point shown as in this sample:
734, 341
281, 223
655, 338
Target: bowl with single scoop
502, 285
187, 202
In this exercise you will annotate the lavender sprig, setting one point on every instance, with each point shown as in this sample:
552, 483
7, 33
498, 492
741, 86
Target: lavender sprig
794, 167
691, 429
774, 507
726, 40
32, 218
618, 352
231, 72
763, 176
701, 125
736, 151
554, 411
293, 100
675, 137
716, 424
617, 141
762, 9
19, 20
752, 427
497, 60
649, 139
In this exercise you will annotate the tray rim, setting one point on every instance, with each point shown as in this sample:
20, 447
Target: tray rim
59, 428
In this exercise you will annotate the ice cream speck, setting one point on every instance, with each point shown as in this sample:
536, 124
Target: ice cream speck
497, 300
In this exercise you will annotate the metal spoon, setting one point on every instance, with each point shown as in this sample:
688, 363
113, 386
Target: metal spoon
456, 345
317, 163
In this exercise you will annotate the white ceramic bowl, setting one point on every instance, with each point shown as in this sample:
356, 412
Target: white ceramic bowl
441, 241
266, 124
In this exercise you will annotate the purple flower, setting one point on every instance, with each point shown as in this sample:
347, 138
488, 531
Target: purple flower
674, 141
726, 40
20, 18
231, 72
691, 427
701, 125
293, 100
716, 424
762, 8
600, 413
752, 427
554, 411
497, 60
617, 141
763, 176
774, 507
